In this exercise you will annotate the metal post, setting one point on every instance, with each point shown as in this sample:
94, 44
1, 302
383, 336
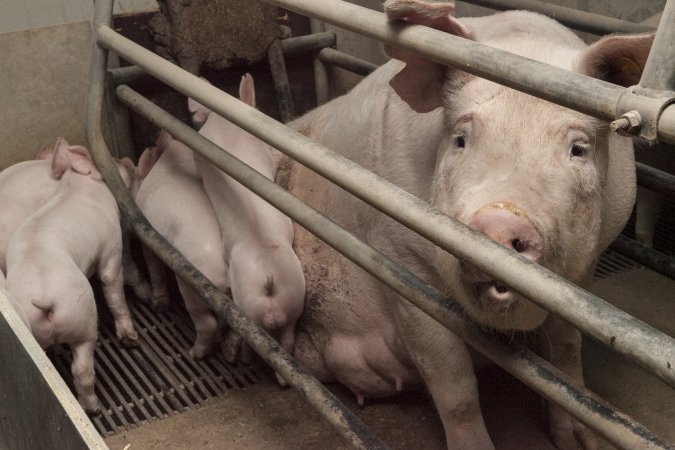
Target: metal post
320, 72
275, 56
319, 397
573, 18
579, 92
308, 43
538, 374
638, 341
659, 72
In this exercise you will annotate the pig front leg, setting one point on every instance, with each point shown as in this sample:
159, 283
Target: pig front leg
561, 344
158, 279
444, 364
112, 280
84, 378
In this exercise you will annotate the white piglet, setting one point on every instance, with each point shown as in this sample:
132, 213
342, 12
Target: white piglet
264, 273
189, 224
51, 255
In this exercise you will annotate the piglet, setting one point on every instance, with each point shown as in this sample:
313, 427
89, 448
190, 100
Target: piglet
264, 274
24, 188
172, 198
50, 256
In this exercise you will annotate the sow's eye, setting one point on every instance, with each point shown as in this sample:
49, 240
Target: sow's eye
460, 141
578, 150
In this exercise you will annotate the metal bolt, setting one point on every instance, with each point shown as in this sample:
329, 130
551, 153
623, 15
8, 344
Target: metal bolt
628, 123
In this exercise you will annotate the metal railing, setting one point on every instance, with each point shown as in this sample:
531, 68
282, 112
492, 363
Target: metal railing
650, 348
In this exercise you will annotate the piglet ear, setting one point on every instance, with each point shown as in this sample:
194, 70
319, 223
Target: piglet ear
148, 160
81, 162
45, 152
617, 59
420, 83
247, 90
61, 160
199, 112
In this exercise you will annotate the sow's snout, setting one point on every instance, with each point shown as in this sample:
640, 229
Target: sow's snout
509, 226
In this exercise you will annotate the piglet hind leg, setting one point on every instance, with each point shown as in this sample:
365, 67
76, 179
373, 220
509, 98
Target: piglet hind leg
204, 320
132, 275
113, 291
82, 369
159, 300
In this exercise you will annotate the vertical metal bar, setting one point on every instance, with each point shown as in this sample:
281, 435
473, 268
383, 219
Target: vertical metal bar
320, 70
275, 56
659, 72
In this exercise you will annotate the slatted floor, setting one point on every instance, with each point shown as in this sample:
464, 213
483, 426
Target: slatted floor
159, 378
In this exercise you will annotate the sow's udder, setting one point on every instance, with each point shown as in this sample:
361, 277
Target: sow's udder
490, 301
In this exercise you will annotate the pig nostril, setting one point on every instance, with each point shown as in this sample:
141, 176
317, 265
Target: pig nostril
518, 245
501, 288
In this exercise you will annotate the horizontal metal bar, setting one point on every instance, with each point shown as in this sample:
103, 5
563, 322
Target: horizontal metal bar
128, 75
579, 92
637, 340
573, 18
350, 426
522, 363
654, 179
346, 61
659, 71
660, 262
308, 43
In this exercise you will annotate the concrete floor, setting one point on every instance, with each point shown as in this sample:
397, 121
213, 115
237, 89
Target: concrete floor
265, 416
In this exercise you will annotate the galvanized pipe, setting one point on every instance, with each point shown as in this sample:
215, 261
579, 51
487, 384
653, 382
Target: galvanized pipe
579, 92
318, 396
320, 71
346, 61
308, 43
660, 262
537, 373
637, 340
659, 72
656, 180
573, 18
275, 57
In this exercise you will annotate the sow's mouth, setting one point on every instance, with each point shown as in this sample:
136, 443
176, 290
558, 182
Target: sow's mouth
497, 304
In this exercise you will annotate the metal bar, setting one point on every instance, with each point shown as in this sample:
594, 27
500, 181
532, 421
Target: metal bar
640, 342
579, 92
318, 396
655, 179
320, 71
573, 18
308, 43
660, 262
128, 75
275, 57
537, 373
659, 72
346, 61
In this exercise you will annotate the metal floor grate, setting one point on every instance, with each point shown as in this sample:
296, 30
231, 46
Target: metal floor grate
159, 379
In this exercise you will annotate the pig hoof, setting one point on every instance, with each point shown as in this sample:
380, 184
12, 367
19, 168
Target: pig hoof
129, 340
91, 405
197, 352
160, 303
143, 291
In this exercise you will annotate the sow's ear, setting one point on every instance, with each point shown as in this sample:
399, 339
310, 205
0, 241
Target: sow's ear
199, 112
617, 59
420, 83
61, 160
81, 162
247, 90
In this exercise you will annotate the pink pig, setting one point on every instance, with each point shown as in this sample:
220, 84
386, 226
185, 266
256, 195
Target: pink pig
50, 256
264, 273
24, 188
189, 224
